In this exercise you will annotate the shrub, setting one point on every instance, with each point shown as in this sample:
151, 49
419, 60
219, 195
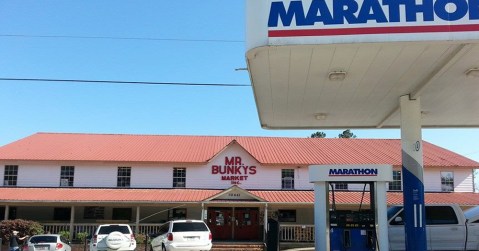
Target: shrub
140, 238
65, 234
82, 236
24, 227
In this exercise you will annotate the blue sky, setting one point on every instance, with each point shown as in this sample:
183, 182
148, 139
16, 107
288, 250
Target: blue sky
186, 41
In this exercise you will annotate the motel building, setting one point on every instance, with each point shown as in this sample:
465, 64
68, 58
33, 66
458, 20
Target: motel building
74, 181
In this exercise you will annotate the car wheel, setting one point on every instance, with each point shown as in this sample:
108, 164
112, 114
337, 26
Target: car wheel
114, 240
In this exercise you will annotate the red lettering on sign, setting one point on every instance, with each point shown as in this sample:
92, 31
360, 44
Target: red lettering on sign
214, 169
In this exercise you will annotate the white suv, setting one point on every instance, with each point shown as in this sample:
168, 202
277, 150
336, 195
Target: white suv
182, 235
117, 237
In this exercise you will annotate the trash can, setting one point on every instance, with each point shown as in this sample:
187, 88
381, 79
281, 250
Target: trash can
272, 236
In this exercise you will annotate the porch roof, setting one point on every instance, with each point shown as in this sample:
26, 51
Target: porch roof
20, 195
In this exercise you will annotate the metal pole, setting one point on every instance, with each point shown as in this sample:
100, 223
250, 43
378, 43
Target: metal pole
413, 171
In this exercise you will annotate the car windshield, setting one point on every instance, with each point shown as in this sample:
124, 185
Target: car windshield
114, 228
43, 239
189, 227
392, 211
472, 213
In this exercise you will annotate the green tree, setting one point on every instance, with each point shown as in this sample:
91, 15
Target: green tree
347, 134
318, 134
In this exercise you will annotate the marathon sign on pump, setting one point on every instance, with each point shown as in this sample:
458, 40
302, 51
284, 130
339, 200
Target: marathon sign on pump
346, 19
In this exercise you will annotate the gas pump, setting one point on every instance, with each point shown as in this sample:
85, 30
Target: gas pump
356, 229
353, 229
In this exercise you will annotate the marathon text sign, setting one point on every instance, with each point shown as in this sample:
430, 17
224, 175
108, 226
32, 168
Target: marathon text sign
233, 170
318, 18
353, 172
371, 172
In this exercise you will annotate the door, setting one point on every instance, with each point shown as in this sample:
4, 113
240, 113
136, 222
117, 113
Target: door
220, 223
246, 225
446, 233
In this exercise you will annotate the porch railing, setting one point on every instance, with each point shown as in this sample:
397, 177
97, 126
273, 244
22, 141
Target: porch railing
288, 233
91, 227
296, 233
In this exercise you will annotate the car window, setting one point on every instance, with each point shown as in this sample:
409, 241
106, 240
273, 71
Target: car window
63, 239
189, 226
164, 228
440, 215
43, 239
114, 228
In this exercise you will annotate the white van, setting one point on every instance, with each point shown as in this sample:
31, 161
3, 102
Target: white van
182, 235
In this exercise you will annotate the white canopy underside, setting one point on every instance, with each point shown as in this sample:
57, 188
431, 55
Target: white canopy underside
292, 88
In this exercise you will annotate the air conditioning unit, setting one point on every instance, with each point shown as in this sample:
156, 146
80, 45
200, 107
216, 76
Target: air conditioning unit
180, 184
64, 182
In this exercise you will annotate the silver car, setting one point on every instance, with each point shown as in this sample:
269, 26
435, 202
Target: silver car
47, 242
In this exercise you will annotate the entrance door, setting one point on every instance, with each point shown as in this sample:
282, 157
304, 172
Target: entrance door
247, 224
220, 223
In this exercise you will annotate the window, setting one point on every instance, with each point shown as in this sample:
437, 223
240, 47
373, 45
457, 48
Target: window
94, 213
447, 181
121, 214
179, 177
395, 185
341, 186
124, 176
66, 176
287, 215
10, 175
287, 178
61, 213
177, 214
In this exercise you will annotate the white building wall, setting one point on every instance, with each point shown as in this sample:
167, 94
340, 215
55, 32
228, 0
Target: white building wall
154, 176
95, 176
253, 175
32, 175
463, 181
47, 174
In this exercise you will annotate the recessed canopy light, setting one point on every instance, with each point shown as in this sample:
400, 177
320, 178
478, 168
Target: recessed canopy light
321, 116
337, 75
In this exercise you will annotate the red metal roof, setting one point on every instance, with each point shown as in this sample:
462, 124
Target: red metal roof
201, 149
138, 196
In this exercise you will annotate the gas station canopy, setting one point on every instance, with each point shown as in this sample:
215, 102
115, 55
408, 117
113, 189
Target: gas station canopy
309, 73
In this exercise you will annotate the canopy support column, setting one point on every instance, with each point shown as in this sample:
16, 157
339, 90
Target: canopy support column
413, 171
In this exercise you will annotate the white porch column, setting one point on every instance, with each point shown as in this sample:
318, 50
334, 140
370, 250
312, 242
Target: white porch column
265, 220
137, 224
72, 222
413, 171
7, 212
321, 213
